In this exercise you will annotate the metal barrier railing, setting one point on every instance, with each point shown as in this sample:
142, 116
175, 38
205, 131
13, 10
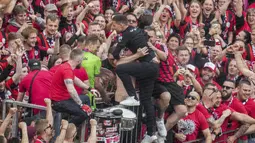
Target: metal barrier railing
15, 117
39, 107
201, 139
33, 106
25, 105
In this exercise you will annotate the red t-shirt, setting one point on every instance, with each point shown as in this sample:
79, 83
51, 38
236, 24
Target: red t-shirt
82, 75
203, 110
217, 112
39, 140
191, 125
79, 73
58, 90
250, 106
235, 104
40, 87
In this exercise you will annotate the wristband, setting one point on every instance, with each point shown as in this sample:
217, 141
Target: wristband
89, 89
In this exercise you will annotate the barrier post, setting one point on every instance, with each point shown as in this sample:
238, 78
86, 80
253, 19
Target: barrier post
83, 131
15, 123
4, 110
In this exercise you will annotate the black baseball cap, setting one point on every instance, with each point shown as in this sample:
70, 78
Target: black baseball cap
34, 64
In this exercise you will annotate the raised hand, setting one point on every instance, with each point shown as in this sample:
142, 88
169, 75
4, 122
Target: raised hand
12, 111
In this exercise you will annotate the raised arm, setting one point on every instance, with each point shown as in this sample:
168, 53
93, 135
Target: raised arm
158, 13
93, 137
178, 16
241, 65
224, 8
7, 121
61, 137
23, 127
183, 10
195, 83
239, 8
25, 3
9, 8
16, 76
81, 16
49, 115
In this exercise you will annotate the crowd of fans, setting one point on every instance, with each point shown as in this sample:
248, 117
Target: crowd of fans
189, 63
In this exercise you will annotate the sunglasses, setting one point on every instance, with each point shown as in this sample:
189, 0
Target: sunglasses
191, 97
227, 87
214, 91
131, 21
48, 127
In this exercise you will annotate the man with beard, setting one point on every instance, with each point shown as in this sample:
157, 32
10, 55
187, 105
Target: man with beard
44, 127
229, 100
63, 94
208, 73
190, 126
218, 109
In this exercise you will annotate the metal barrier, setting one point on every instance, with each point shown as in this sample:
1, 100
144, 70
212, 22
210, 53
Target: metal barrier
201, 139
27, 105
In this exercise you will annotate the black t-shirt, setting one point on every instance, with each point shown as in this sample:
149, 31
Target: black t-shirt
133, 38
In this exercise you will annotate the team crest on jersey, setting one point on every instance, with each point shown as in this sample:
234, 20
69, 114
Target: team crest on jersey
36, 53
187, 127
119, 38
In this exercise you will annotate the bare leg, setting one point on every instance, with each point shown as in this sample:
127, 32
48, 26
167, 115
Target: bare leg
93, 137
121, 92
163, 103
180, 111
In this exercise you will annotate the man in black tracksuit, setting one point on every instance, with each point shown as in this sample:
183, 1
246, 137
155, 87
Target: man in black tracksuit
145, 71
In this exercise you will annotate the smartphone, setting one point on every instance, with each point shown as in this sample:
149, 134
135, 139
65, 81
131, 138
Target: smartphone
209, 43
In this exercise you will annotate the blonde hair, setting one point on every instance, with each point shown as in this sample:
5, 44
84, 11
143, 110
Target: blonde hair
40, 125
